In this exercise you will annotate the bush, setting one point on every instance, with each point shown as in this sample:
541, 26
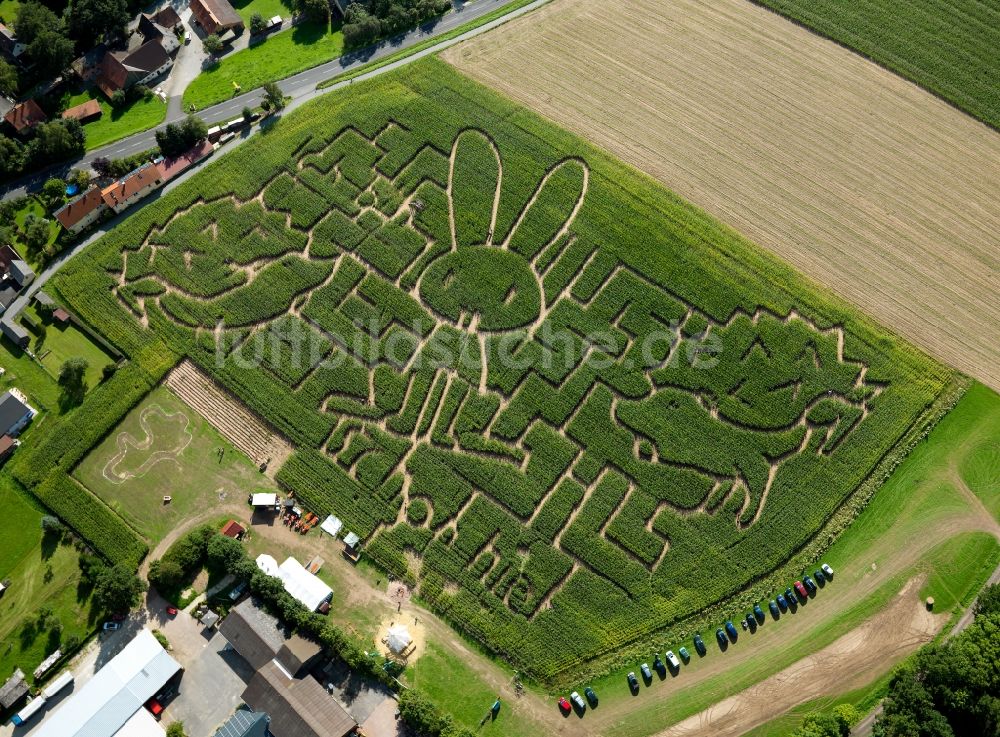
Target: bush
176, 729
164, 642
118, 589
257, 23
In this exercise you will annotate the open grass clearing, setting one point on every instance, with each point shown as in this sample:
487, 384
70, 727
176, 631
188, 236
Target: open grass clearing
923, 522
165, 448
22, 372
55, 344
866, 183
267, 9
118, 123
43, 574
280, 55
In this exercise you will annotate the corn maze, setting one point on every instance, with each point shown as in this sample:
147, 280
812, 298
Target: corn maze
570, 407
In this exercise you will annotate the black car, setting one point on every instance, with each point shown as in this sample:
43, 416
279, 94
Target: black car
775, 612
759, 613
720, 635
810, 586
731, 630
591, 696
699, 645
790, 598
820, 578
751, 621
633, 682
659, 666
782, 604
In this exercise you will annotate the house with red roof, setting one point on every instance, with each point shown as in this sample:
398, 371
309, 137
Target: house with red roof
24, 116
82, 211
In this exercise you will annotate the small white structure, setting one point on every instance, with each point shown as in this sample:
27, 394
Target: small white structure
398, 638
298, 582
111, 702
332, 526
263, 500
57, 685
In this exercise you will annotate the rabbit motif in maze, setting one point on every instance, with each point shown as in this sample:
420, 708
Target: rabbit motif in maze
557, 414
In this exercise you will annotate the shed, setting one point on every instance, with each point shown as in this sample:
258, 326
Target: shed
42, 299
15, 334
84, 112
7, 446
233, 529
13, 690
60, 316
209, 618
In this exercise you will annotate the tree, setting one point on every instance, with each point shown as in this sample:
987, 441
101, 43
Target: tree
32, 19
317, 11
89, 19
118, 99
8, 78
101, 166
360, 26
212, 44
165, 574
54, 191
35, 232
273, 96
52, 524
73, 379
176, 729
55, 141
11, 156
224, 552
80, 178
51, 51
118, 589
988, 601
193, 131
257, 23
247, 114
174, 139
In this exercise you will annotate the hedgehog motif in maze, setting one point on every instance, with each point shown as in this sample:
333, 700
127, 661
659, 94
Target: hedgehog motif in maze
463, 319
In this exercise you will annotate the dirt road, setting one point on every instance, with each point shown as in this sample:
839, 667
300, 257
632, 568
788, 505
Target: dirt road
858, 178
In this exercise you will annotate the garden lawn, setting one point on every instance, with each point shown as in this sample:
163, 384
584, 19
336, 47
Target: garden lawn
42, 574
267, 9
114, 124
281, 55
23, 373
949, 47
180, 459
34, 206
58, 344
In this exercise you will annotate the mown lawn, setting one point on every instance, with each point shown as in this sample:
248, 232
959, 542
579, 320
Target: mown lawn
267, 9
281, 55
34, 206
44, 575
23, 373
114, 124
57, 344
946, 46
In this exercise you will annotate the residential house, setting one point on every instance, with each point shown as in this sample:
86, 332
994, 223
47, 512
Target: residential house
151, 30
245, 723
24, 116
15, 412
10, 47
82, 211
132, 187
88, 66
170, 168
21, 273
260, 638
84, 112
8, 293
167, 17
216, 16
7, 447
121, 70
298, 707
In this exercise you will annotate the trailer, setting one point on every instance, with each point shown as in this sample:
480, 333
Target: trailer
29, 710
57, 685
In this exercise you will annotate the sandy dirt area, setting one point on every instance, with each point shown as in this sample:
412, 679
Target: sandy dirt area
860, 179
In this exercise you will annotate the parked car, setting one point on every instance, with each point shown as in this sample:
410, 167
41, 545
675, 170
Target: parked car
111, 626
659, 666
646, 673
731, 630
820, 578
699, 645
578, 701
155, 707
759, 613
564, 706
782, 604
237, 592
633, 682
775, 612
685, 655
672, 659
720, 635
809, 584
828, 571
790, 598
751, 621
591, 696
172, 611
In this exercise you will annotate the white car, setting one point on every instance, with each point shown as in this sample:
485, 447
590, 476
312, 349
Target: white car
827, 570
672, 659
578, 701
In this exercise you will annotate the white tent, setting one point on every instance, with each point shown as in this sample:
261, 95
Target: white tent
398, 638
268, 564
303, 585
331, 525
264, 500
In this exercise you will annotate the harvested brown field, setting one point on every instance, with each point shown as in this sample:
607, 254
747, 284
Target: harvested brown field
860, 179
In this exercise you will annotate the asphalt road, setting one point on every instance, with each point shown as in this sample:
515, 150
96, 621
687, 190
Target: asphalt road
299, 87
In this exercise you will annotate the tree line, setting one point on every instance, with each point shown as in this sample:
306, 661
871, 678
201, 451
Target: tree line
367, 22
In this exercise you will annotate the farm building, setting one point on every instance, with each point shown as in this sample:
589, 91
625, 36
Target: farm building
60, 316
84, 112
7, 446
42, 299
298, 707
111, 703
170, 168
21, 273
298, 582
260, 638
14, 689
216, 16
245, 723
233, 529
15, 413
121, 70
24, 116
7, 296
132, 187
82, 211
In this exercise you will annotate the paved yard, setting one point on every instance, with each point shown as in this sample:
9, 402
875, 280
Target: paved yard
359, 696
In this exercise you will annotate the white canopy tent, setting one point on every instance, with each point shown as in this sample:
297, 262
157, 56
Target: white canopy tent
264, 500
398, 638
332, 526
267, 564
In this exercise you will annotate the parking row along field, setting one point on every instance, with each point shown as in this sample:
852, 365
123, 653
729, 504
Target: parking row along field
862, 180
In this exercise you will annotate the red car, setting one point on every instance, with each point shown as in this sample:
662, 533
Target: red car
172, 611
802, 590
154, 708
564, 706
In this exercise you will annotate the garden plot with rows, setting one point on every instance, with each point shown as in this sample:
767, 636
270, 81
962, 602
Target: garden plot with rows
567, 405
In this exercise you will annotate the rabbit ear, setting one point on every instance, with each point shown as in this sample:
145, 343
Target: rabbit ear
473, 189
551, 210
